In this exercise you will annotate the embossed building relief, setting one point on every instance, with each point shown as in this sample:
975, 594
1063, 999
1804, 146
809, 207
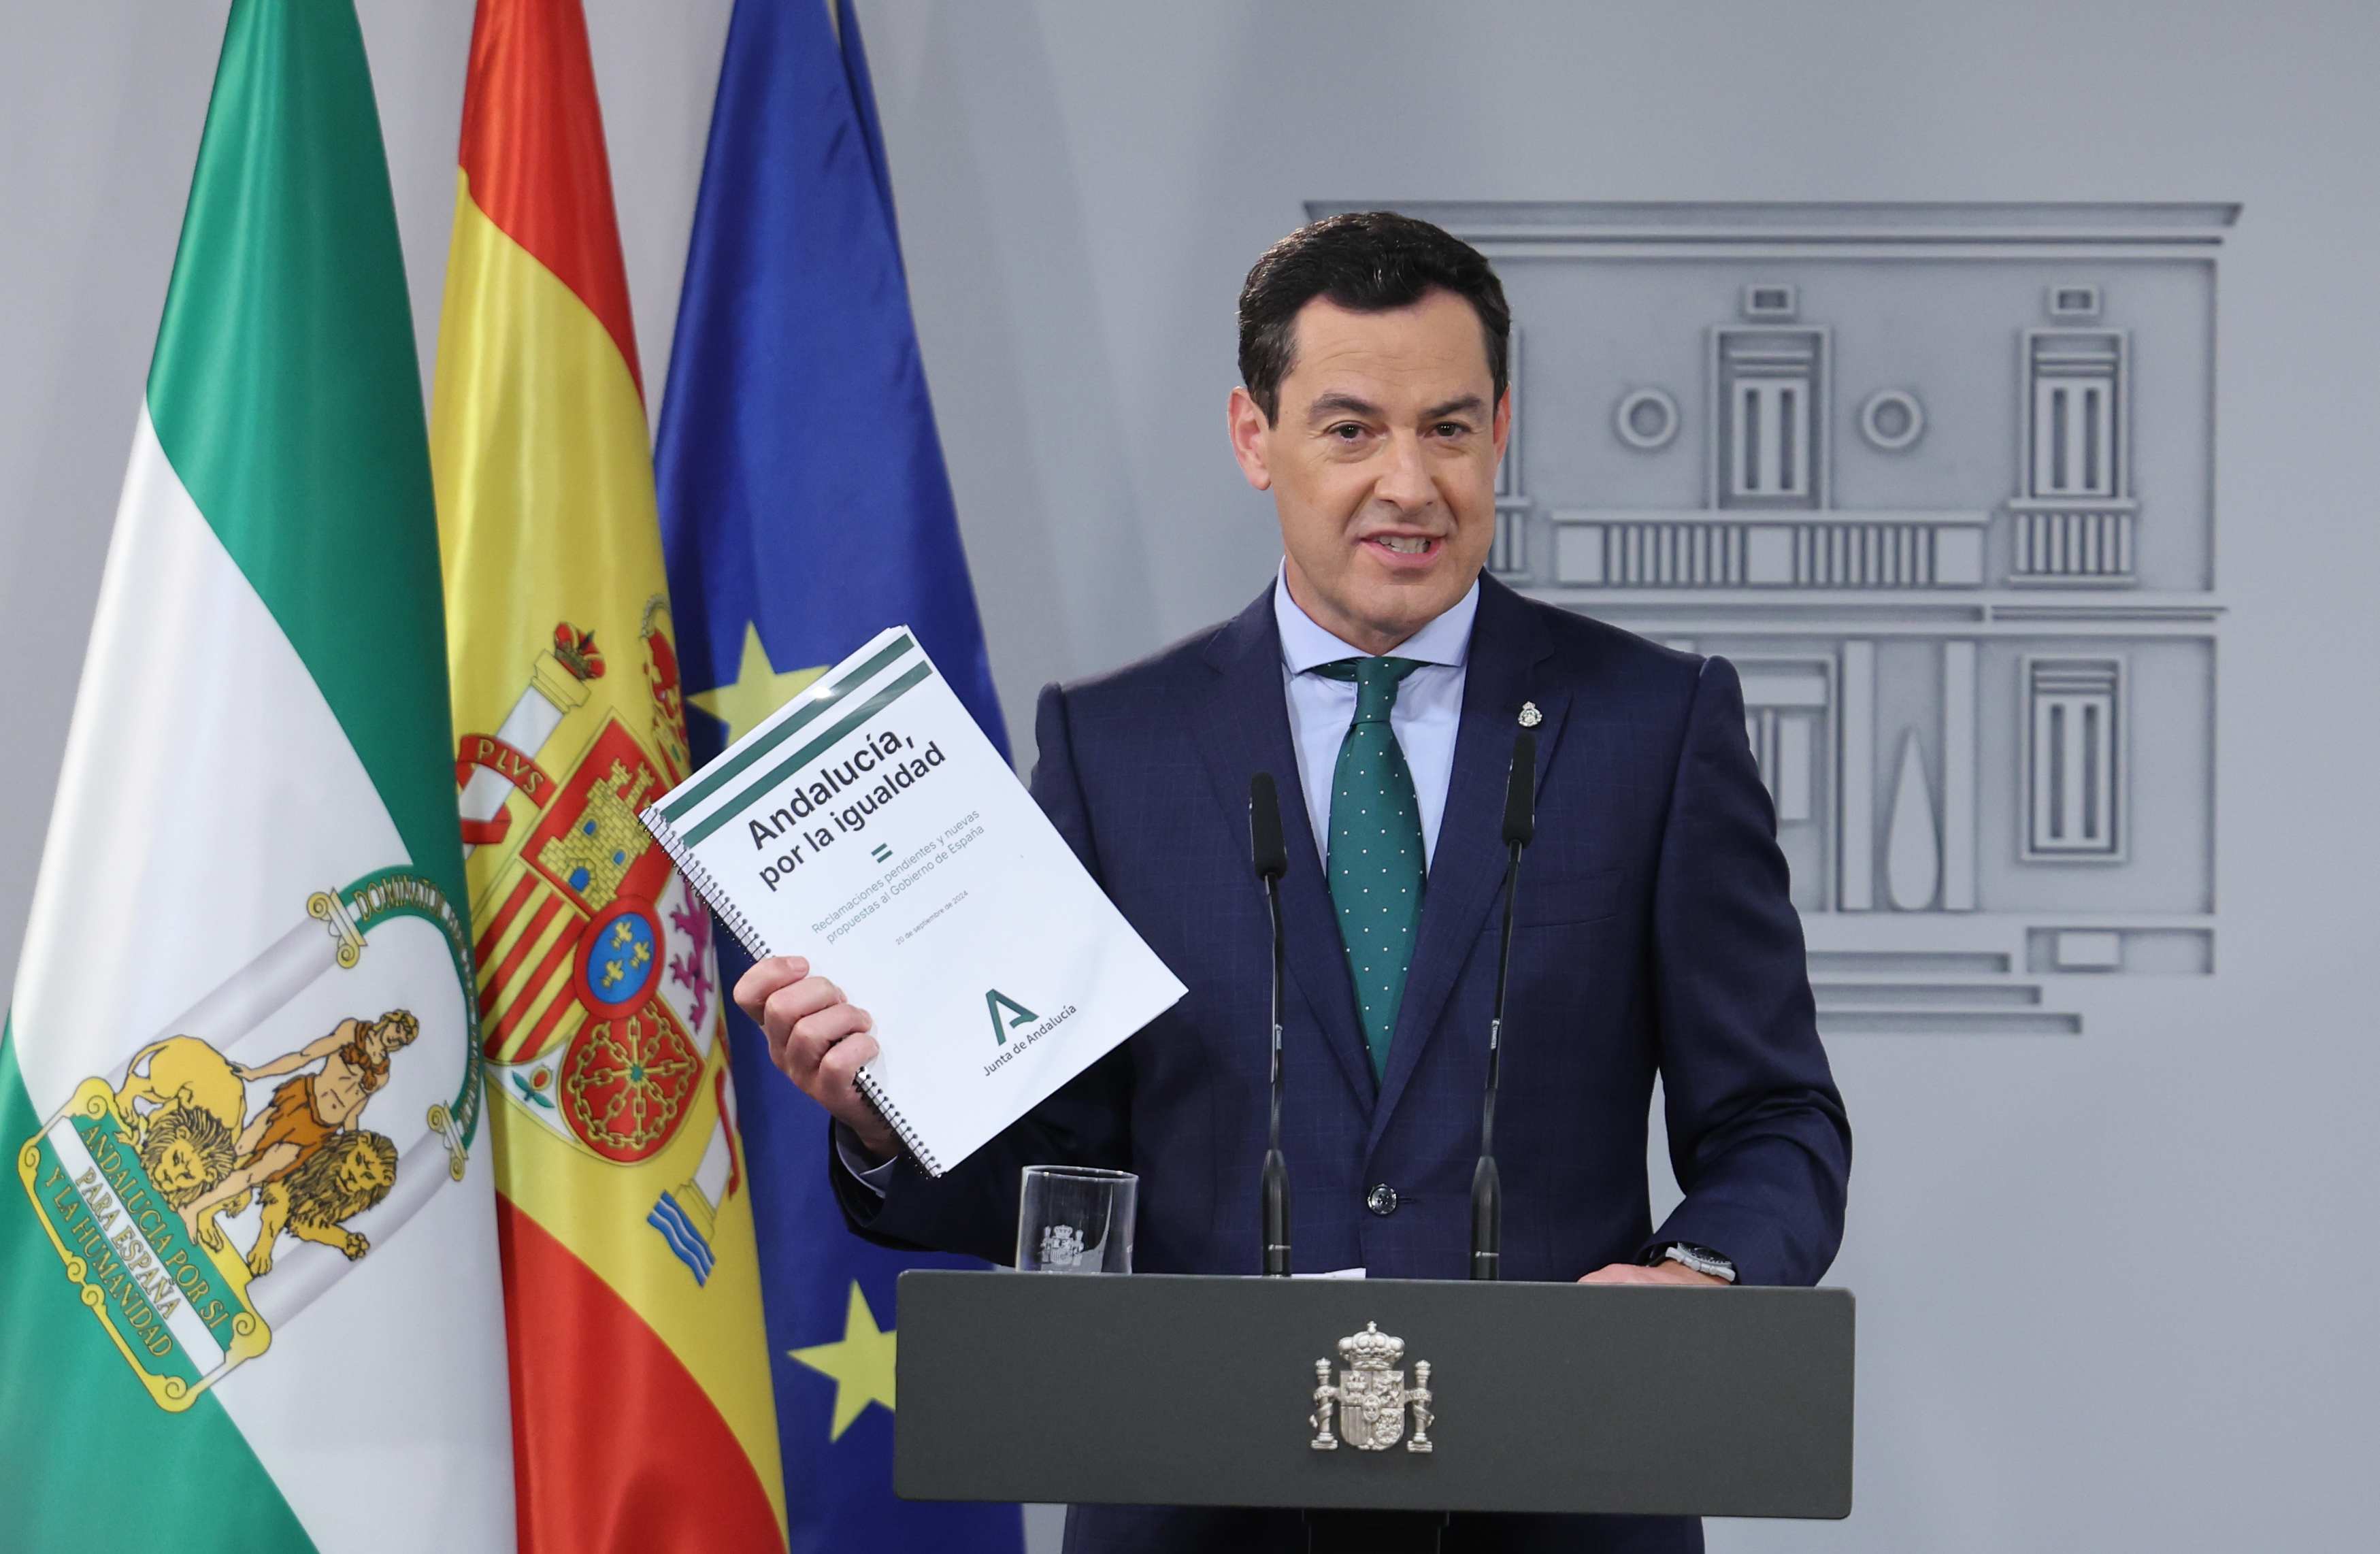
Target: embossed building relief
1938, 479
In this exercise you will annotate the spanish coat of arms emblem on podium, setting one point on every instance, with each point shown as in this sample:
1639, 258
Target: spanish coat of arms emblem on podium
1371, 1397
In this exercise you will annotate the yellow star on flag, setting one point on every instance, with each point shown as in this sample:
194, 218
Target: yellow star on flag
758, 689
861, 1364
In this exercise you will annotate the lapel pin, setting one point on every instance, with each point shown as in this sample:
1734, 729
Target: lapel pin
1530, 716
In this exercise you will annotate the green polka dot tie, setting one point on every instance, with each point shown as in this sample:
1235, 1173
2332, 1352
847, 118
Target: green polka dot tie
1376, 852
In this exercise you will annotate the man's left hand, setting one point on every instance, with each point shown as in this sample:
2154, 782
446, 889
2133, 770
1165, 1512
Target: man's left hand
1660, 1273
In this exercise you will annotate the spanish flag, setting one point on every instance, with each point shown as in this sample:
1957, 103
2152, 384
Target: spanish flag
642, 1413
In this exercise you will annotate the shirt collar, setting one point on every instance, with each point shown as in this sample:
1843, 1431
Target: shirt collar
1305, 645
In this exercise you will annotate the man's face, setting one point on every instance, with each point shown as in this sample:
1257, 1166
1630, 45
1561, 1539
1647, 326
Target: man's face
1383, 464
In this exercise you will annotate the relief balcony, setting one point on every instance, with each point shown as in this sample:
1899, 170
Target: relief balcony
2071, 544
1738, 548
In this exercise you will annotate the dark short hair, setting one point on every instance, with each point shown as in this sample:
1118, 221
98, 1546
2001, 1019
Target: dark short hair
1367, 262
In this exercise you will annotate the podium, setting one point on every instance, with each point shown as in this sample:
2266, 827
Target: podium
1170, 1389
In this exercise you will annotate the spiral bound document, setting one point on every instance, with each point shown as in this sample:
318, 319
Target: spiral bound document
869, 827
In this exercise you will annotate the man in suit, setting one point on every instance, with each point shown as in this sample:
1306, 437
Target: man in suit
1388, 675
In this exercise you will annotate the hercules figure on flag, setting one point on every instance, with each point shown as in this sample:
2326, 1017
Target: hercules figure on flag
201, 1164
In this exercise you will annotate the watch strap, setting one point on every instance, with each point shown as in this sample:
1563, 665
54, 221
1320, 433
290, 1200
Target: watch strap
1701, 1259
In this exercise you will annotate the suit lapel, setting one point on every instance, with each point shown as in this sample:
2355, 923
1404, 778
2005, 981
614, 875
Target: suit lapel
1466, 870
1243, 729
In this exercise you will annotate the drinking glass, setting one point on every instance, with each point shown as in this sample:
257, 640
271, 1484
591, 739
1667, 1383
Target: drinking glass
1076, 1220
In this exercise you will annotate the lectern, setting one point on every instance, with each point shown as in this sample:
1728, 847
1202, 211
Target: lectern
1370, 1396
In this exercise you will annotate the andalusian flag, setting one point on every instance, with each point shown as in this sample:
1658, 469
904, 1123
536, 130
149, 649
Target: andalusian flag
248, 1270
642, 1412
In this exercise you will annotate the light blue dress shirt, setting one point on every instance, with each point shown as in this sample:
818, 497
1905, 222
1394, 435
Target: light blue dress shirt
1426, 717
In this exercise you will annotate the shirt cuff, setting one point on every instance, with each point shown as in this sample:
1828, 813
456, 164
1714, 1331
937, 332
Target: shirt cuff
876, 1178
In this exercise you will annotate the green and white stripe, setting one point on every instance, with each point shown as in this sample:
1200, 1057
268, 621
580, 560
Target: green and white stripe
836, 694
254, 840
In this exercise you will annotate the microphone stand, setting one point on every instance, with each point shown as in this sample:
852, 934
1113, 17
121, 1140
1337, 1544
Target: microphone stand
1486, 1187
1270, 855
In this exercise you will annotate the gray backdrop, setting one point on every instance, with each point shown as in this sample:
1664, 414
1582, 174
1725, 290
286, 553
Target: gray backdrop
2113, 1266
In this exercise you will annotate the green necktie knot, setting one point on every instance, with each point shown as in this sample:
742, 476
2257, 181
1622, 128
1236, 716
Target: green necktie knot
1376, 680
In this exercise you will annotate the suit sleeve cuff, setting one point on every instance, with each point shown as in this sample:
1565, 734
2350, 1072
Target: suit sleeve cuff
875, 1178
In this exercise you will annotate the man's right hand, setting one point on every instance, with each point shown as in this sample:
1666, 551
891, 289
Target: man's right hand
820, 1040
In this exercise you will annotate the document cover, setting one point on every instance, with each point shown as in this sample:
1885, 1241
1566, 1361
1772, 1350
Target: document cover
869, 827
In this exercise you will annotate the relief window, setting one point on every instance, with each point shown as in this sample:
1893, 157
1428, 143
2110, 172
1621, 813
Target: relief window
1772, 415
2075, 417
1788, 712
2073, 749
1784, 745
1508, 554
1508, 469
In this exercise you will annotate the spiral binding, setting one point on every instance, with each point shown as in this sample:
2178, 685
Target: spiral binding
704, 885
749, 937
871, 1088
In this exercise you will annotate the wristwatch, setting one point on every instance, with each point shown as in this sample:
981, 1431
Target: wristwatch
1685, 1254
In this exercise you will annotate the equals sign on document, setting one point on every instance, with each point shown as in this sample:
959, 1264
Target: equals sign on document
880, 852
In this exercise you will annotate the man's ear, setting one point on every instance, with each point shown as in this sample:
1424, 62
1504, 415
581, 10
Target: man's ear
1503, 422
1251, 438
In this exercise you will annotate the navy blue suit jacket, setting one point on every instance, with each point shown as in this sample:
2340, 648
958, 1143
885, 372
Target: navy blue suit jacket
1655, 935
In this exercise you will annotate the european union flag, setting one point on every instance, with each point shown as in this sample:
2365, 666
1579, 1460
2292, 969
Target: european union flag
805, 508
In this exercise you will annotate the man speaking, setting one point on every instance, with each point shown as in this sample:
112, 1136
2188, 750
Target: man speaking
1389, 674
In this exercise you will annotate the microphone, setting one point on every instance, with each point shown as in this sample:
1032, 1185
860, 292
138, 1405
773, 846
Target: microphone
1486, 1187
1270, 855
1520, 794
